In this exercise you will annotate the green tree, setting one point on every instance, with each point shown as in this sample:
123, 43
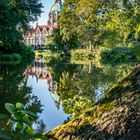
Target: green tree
98, 22
57, 39
15, 17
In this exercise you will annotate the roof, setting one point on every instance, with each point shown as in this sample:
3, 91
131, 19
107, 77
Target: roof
43, 26
30, 31
47, 27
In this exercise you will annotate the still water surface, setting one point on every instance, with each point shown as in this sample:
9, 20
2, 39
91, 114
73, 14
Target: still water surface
52, 114
57, 91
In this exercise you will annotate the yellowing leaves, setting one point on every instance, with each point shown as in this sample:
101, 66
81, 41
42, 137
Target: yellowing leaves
138, 28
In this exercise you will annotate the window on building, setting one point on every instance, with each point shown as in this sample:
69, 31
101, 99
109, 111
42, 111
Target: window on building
43, 40
28, 41
32, 41
37, 40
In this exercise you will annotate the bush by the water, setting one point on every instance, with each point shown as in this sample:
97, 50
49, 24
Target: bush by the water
10, 57
136, 49
117, 55
19, 51
25, 51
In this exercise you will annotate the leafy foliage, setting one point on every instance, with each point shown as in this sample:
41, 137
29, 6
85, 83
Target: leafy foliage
117, 55
80, 86
57, 39
20, 121
10, 58
14, 21
95, 22
14, 88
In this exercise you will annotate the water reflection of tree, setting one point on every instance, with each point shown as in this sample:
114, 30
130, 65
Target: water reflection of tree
58, 68
13, 88
78, 90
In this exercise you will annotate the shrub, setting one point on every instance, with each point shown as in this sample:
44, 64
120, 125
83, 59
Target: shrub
25, 51
19, 119
10, 57
117, 55
136, 49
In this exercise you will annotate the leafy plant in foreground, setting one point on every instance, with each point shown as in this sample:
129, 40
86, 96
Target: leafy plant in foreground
18, 123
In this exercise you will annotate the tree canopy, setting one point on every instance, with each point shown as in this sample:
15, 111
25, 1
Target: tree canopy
98, 21
15, 16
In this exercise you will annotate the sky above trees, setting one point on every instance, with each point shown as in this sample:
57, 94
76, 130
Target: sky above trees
44, 16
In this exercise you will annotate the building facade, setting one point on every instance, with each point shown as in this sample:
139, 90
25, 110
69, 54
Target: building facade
37, 36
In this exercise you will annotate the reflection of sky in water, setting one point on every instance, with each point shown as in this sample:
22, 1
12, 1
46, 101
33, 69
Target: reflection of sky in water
99, 93
50, 115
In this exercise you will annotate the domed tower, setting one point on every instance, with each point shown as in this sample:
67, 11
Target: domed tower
55, 11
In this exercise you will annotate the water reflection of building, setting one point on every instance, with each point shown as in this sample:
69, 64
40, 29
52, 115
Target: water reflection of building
41, 72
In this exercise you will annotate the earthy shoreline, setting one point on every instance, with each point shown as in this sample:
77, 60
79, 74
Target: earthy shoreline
116, 117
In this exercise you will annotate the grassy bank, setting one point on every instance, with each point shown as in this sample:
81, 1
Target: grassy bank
76, 56
48, 56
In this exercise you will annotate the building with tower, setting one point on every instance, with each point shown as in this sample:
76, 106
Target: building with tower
37, 36
55, 11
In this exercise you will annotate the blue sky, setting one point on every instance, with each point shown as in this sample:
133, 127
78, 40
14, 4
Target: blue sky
44, 16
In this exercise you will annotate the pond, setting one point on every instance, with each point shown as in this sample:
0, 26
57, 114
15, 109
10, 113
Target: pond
57, 91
